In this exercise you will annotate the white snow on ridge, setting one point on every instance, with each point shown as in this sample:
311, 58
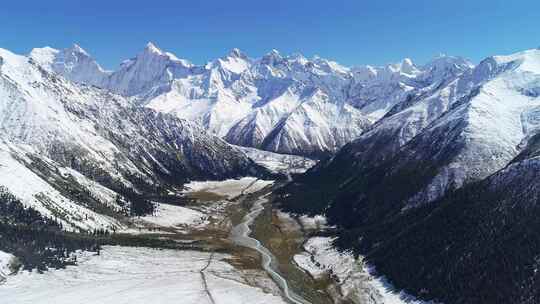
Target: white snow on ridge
527, 61
499, 121
266, 99
127, 275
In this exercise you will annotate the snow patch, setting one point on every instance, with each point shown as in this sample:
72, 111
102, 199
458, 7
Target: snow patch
229, 188
6, 261
354, 278
175, 216
279, 163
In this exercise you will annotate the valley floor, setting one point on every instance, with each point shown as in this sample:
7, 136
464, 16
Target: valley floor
332, 276
218, 271
143, 275
138, 275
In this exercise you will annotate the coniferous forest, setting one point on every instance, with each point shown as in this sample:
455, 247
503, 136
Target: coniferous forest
37, 241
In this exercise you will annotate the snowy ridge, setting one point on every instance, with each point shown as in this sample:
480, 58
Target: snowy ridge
74, 62
492, 125
464, 127
286, 104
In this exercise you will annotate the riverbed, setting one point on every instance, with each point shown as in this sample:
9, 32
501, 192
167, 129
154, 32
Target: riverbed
240, 235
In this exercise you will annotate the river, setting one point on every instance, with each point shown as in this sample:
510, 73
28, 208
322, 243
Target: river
240, 235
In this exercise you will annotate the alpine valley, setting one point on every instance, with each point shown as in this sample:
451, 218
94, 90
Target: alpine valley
278, 179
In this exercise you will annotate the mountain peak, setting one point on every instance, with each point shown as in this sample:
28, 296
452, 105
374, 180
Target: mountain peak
528, 60
235, 62
236, 53
443, 60
407, 66
75, 48
274, 52
152, 48
271, 57
44, 55
407, 62
299, 58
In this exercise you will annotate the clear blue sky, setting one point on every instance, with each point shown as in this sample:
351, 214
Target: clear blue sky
351, 32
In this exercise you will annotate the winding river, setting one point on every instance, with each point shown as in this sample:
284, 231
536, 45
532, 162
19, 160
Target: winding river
240, 236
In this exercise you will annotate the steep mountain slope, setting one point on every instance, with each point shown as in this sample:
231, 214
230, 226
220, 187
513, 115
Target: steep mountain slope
479, 244
313, 127
392, 191
283, 104
74, 148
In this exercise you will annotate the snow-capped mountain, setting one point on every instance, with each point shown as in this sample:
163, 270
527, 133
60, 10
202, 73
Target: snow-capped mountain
450, 170
462, 129
68, 149
286, 104
73, 63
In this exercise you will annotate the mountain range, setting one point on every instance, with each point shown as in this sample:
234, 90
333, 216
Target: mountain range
284, 104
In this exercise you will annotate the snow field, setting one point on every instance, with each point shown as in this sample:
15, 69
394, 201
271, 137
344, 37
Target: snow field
230, 188
137, 276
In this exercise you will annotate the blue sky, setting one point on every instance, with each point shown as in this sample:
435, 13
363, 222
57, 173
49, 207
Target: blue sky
350, 32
